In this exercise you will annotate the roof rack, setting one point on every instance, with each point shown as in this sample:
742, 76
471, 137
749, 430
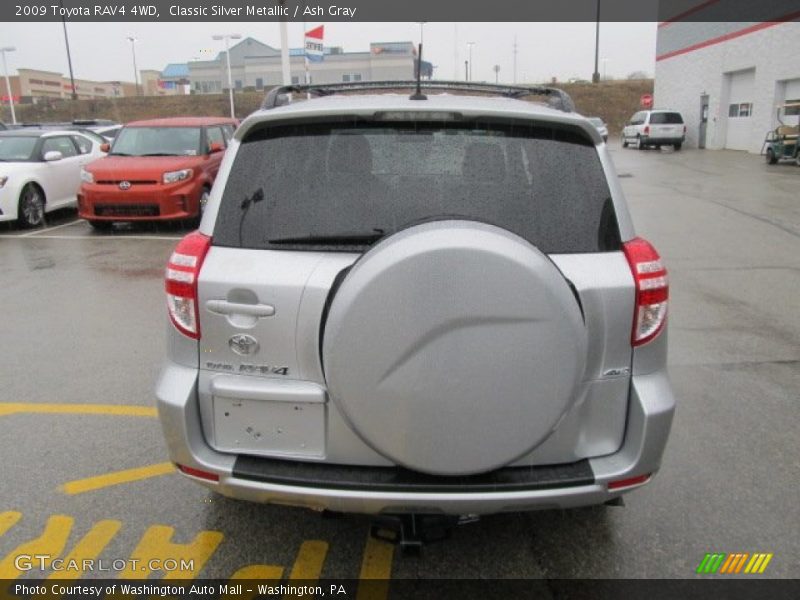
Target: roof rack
555, 98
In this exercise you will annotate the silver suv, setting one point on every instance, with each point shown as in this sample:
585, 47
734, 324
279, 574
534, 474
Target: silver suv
433, 304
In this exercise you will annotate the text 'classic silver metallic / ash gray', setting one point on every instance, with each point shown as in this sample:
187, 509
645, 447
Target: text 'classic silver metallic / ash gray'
397, 305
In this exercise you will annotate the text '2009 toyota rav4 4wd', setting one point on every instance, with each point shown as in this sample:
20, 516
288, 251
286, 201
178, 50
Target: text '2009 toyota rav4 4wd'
396, 305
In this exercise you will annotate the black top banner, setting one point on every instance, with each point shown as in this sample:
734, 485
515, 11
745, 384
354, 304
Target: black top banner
400, 10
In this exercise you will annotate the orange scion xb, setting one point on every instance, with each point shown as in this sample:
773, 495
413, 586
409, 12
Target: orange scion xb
156, 170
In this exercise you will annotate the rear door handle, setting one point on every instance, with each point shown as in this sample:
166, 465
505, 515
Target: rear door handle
223, 307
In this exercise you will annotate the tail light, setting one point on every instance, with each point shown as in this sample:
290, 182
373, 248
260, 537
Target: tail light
181, 282
684, 129
630, 482
199, 473
652, 290
647, 129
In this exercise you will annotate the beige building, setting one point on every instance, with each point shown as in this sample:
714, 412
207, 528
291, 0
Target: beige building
34, 85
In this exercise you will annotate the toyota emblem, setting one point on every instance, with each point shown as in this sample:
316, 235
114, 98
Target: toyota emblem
124, 185
243, 344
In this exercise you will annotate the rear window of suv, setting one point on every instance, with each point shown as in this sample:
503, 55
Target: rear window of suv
666, 118
341, 186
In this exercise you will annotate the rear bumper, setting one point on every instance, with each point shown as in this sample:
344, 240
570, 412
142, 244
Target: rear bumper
381, 490
140, 203
663, 141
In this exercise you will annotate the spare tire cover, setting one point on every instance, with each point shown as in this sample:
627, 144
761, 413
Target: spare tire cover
454, 347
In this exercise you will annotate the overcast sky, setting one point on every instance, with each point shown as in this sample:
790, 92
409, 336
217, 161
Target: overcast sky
544, 50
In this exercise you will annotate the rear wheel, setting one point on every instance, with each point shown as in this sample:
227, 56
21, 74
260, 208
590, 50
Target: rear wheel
639, 144
31, 206
677, 146
771, 158
624, 142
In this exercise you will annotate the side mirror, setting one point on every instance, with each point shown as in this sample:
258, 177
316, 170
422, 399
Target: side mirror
53, 155
215, 147
105, 147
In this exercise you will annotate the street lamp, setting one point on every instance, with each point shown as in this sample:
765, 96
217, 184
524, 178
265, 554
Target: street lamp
8, 82
133, 41
596, 74
421, 24
228, 37
469, 74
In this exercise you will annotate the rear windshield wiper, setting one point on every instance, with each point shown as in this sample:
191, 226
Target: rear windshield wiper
161, 154
118, 154
344, 237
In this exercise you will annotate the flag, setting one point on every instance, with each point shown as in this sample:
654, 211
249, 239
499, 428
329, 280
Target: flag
314, 49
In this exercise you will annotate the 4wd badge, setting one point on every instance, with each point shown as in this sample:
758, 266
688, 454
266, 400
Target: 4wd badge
243, 344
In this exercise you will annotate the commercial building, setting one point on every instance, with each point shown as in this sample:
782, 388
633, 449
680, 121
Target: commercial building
30, 86
256, 65
727, 78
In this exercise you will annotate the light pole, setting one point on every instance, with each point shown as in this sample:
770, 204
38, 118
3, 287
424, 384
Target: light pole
496, 70
133, 41
469, 74
596, 74
421, 25
69, 56
8, 82
228, 37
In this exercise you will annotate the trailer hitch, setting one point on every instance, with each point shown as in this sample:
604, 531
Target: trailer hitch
410, 532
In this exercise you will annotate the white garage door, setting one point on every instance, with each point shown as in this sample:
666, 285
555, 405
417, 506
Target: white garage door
740, 109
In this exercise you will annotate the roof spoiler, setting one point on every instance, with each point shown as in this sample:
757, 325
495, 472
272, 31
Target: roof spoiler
554, 97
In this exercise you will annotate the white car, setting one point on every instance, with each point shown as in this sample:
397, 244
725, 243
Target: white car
40, 171
654, 128
601, 127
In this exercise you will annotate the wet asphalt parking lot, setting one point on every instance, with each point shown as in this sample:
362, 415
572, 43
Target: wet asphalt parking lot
83, 465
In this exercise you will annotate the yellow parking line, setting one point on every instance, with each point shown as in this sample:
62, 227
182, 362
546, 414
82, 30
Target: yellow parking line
88, 547
10, 408
156, 547
308, 564
8, 519
50, 544
263, 574
90, 484
376, 570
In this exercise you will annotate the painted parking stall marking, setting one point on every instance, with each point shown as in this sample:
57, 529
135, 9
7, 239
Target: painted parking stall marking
90, 484
156, 551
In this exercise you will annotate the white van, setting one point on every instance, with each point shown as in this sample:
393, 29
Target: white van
654, 128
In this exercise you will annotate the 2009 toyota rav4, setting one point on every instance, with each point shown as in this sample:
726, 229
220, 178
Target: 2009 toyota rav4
401, 305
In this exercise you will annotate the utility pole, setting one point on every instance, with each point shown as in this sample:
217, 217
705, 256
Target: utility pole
596, 74
8, 82
133, 41
515, 59
469, 74
466, 70
69, 56
285, 66
496, 70
228, 37
455, 50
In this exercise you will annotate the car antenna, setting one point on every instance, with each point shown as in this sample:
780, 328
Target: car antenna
418, 95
